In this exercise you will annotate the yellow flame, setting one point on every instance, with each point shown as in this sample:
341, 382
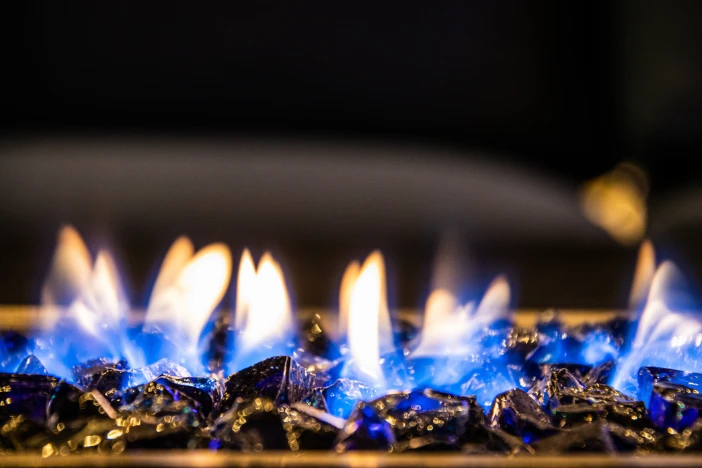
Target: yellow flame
347, 283
616, 202
245, 287
645, 269
177, 257
263, 305
70, 269
369, 331
189, 287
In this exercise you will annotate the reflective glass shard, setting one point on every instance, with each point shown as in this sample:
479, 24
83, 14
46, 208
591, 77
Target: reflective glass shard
674, 406
148, 373
341, 397
517, 413
279, 378
488, 381
597, 402
101, 374
325, 371
192, 395
419, 419
366, 429
13, 348
649, 376
31, 365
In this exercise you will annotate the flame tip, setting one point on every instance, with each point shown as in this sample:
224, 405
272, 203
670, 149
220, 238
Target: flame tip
501, 279
375, 255
68, 229
183, 242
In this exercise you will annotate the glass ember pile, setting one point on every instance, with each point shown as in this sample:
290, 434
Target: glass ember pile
468, 380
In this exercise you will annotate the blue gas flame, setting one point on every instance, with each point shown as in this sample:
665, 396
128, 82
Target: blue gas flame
667, 332
94, 324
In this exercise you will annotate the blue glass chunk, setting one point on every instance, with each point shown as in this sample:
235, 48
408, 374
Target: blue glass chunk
31, 365
674, 406
325, 371
441, 372
649, 376
13, 348
414, 420
367, 429
341, 397
488, 381
517, 413
108, 377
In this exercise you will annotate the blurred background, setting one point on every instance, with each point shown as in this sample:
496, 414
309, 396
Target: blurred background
323, 130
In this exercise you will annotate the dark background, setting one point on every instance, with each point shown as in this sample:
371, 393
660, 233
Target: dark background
565, 88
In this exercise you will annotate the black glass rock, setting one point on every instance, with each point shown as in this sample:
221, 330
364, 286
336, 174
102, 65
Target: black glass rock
598, 437
571, 402
279, 378
250, 426
315, 339
25, 395
309, 428
519, 414
168, 394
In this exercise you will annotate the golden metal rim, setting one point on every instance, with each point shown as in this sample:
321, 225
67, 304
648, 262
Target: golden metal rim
27, 317
198, 458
